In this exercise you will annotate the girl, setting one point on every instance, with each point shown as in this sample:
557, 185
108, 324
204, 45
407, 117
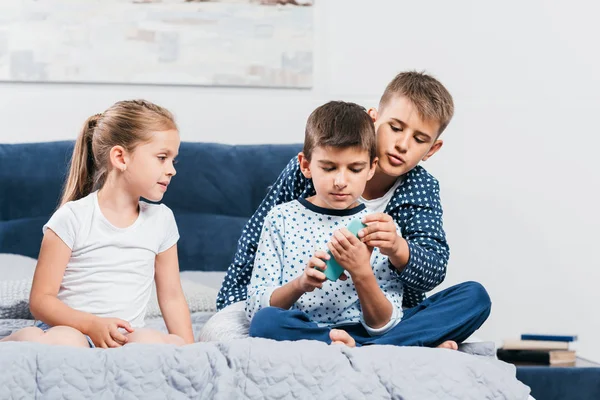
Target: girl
103, 247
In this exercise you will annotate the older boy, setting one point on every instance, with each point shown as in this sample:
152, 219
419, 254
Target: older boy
413, 112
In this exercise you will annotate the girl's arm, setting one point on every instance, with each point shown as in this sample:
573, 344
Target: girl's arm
171, 300
43, 302
45, 305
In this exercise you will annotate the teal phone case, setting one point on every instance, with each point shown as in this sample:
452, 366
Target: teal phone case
334, 270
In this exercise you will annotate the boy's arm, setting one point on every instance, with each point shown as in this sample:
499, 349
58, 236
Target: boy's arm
290, 185
428, 251
171, 299
268, 265
420, 254
312, 278
286, 295
378, 313
391, 289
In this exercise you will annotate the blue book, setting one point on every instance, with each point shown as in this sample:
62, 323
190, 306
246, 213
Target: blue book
552, 338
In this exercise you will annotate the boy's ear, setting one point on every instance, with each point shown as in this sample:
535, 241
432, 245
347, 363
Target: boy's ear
119, 158
434, 149
373, 113
373, 168
304, 165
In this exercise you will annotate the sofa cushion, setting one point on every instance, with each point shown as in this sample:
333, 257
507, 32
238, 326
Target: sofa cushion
22, 236
207, 241
32, 176
16, 267
225, 180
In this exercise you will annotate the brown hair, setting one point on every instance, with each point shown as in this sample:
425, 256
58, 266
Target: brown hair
431, 99
339, 124
126, 124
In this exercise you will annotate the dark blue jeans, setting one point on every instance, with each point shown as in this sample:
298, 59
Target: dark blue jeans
452, 314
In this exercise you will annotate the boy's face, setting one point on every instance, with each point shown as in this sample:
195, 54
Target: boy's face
339, 175
403, 138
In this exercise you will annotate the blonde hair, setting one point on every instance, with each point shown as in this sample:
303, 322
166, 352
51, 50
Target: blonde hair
127, 124
431, 99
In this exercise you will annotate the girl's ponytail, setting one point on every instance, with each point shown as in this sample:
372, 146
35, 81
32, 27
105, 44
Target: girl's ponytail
83, 169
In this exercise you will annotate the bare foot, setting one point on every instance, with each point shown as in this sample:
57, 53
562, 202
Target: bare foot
448, 344
339, 336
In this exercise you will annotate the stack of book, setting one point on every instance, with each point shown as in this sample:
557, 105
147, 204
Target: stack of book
532, 349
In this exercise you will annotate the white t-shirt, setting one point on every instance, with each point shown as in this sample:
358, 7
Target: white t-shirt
111, 270
379, 205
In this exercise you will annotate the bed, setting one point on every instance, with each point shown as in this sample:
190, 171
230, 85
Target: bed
241, 367
203, 197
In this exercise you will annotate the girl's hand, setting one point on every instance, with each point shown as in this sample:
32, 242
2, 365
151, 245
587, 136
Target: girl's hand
381, 233
104, 332
351, 253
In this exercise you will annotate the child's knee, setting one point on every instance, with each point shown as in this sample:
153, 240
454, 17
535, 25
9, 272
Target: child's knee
143, 336
174, 339
30, 334
478, 295
151, 336
65, 336
263, 321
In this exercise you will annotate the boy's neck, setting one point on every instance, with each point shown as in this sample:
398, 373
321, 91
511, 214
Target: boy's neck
378, 185
314, 205
313, 200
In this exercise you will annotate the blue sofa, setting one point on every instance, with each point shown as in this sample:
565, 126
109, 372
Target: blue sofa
215, 191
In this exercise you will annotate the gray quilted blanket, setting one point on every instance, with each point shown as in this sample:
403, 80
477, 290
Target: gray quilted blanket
253, 369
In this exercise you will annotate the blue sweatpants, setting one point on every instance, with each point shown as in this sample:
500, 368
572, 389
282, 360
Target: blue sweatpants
452, 314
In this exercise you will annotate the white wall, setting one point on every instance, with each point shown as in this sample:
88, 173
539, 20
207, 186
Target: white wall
519, 182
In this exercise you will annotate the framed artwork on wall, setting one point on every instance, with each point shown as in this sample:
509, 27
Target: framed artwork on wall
260, 43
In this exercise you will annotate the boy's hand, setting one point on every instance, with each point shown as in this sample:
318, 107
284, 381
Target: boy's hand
104, 332
312, 278
351, 253
381, 233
